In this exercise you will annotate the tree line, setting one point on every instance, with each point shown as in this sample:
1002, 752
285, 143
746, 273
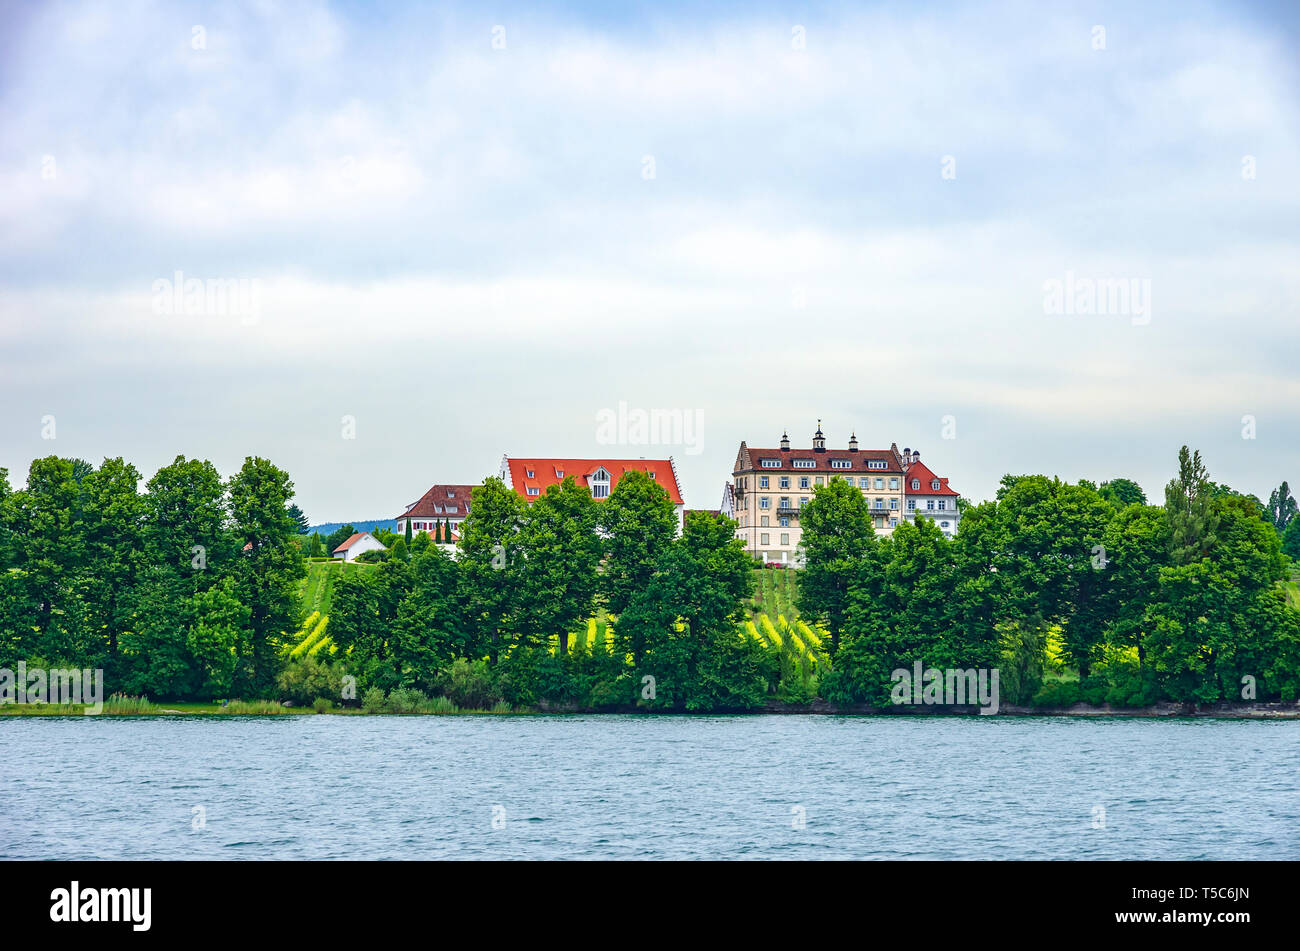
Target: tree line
1074, 591
189, 590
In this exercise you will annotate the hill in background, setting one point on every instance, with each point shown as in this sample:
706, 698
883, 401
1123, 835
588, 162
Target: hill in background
326, 527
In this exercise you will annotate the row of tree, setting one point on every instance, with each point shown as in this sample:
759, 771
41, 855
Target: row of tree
1182, 602
530, 575
183, 590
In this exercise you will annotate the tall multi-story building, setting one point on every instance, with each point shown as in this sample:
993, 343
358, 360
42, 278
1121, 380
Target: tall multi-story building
771, 487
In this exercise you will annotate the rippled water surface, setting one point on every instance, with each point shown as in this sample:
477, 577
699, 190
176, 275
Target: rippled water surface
648, 787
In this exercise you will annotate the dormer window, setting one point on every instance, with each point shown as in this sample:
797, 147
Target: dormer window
533, 490
771, 463
934, 484
916, 484
531, 474
600, 484
804, 464
559, 473
841, 464
654, 474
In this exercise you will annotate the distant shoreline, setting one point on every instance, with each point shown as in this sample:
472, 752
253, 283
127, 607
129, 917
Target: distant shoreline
1164, 710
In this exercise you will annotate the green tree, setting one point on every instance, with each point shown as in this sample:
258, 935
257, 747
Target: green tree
1281, 507
1291, 539
114, 515
837, 536
270, 566
557, 578
1189, 507
490, 555
317, 549
639, 523
299, 519
1122, 492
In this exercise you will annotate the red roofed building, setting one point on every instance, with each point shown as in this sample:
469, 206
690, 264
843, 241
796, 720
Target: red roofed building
531, 477
929, 495
355, 546
441, 505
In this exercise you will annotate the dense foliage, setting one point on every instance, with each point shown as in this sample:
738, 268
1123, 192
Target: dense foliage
196, 589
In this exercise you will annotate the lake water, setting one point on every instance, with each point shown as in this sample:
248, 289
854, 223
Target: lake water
771, 787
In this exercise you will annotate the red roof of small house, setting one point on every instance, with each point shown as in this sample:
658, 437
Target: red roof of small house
350, 542
548, 472
442, 501
919, 470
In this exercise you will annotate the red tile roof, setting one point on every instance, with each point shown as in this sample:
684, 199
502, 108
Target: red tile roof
748, 459
441, 501
919, 470
548, 472
350, 542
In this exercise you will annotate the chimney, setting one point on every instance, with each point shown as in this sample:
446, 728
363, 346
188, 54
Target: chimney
785, 442
853, 442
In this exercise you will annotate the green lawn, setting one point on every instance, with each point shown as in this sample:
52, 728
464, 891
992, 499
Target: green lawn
317, 588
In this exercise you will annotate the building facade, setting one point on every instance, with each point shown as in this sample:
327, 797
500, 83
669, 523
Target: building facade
441, 505
929, 496
770, 487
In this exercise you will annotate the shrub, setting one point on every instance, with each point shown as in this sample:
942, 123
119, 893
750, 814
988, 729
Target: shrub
373, 701
304, 680
322, 705
406, 700
470, 685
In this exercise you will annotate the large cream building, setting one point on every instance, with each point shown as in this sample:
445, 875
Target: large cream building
772, 485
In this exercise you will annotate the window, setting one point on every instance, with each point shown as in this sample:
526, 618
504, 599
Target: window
653, 474
600, 490
916, 484
943, 504
877, 464
944, 524
804, 464
893, 483
802, 503
784, 482
893, 523
841, 464
771, 463
803, 482
929, 504
531, 474
911, 505
764, 502
762, 539
893, 503
764, 482
785, 502
785, 538
864, 482
763, 521
534, 491
817, 480
934, 484
880, 483
880, 504
784, 520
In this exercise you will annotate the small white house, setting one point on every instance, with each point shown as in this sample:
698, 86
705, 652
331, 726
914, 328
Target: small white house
355, 546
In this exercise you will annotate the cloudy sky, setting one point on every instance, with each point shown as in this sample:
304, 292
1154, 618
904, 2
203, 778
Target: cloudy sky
466, 231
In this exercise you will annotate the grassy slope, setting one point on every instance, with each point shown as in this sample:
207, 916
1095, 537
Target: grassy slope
774, 593
316, 589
